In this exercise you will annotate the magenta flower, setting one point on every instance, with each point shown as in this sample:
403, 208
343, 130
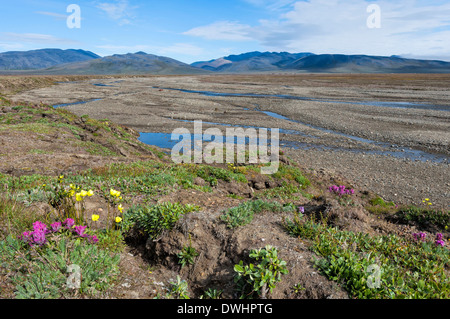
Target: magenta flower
56, 226
38, 238
26, 236
439, 241
93, 239
341, 190
40, 227
79, 230
420, 236
69, 222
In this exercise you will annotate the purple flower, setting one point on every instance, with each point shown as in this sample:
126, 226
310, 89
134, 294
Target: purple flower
439, 243
301, 209
93, 239
40, 227
56, 226
38, 238
79, 230
69, 222
341, 190
420, 236
26, 236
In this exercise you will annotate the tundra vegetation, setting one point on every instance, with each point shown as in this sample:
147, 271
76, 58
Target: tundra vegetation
63, 233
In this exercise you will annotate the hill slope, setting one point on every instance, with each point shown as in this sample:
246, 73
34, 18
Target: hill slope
251, 62
44, 58
131, 63
367, 64
308, 62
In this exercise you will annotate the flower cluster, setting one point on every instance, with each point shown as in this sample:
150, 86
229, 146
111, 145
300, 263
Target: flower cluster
79, 196
37, 237
116, 198
427, 202
341, 190
420, 236
438, 240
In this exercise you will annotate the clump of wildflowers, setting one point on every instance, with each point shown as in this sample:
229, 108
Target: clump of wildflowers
420, 236
38, 236
115, 199
439, 240
341, 190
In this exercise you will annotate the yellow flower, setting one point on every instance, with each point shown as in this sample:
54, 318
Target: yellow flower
61, 176
78, 197
120, 208
114, 193
429, 203
43, 185
95, 217
90, 193
118, 219
72, 186
83, 193
427, 199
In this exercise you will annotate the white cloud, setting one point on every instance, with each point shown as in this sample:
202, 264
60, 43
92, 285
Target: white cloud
119, 10
178, 48
33, 38
340, 26
222, 30
53, 14
181, 48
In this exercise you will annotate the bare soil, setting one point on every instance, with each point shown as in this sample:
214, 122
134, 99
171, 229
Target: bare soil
145, 105
148, 266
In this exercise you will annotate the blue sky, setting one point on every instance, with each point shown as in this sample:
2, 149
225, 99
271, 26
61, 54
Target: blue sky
197, 30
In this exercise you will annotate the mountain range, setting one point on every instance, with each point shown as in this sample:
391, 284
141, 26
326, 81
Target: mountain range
56, 61
41, 59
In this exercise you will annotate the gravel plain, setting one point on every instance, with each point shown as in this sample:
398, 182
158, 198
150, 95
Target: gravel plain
389, 134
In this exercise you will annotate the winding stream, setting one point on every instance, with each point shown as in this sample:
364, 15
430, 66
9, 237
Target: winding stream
163, 140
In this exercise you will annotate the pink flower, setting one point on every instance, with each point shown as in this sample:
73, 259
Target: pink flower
40, 227
69, 222
93, 239
79, 230
56, 226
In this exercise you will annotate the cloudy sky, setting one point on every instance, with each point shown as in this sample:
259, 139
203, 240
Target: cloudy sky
197, 30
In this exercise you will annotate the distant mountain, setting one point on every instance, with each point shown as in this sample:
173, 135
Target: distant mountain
341, 63
56, 61
251, 62
130, 63
40, 59
330, 63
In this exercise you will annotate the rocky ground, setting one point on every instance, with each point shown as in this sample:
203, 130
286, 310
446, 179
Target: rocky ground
418, 138
69, 144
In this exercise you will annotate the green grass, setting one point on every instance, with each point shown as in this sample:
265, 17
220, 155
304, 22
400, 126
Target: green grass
292, 173
243, 213
376, 267
153, 220
424, 217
